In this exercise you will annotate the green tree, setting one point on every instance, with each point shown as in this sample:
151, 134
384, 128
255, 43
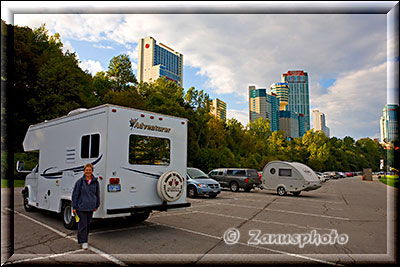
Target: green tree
120, 73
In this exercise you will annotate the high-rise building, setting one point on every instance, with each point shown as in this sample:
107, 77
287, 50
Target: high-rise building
158, 60
298, 94
289, 123
263, 105
218, 109
319, 122
282, 92
389, 123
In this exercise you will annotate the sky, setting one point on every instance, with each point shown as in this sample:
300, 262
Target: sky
345, 55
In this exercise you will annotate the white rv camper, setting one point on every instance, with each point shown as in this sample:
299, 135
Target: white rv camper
138, 156
293, 177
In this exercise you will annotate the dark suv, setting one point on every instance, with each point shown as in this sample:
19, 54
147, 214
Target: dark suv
235, 178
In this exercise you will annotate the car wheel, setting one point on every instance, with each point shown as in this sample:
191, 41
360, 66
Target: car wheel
296, 193
68, 218
281, 191
27, 207
234, 186
212, 195
192, 192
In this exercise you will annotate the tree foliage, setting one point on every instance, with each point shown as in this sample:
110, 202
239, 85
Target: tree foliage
49, 83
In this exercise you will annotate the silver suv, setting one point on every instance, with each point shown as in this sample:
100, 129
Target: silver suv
235, 178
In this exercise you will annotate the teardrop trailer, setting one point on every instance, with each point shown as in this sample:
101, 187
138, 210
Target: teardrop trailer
292, 177
138, 156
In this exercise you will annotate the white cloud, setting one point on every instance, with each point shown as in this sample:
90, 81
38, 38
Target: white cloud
353, 104
240, 115
92, 66
103, 46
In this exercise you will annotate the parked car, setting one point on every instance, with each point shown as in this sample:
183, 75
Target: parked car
321, 177
331, 175
340, 175
199, 184
235, 178
350, 174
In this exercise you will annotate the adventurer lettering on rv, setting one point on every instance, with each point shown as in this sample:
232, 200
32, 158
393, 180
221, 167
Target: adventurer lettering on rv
140, 125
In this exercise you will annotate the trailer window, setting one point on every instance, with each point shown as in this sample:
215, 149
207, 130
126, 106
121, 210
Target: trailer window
148, 150
285, 172
90, 146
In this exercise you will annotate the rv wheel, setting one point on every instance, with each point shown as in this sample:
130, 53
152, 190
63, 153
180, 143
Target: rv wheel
27, 207
281, 191
296, 193
234, 187
68, 218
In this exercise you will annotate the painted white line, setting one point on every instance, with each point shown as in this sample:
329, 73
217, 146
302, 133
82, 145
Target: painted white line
101, 253
285, 211
308, 206
254, 246
48, 256
310, 214
122, 229
266, 222
286, 198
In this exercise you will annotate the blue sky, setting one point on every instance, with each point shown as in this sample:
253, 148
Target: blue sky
343, 54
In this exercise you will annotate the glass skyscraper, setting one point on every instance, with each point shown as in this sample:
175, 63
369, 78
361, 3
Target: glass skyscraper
158, 60
390, 123
263, 105
299, 101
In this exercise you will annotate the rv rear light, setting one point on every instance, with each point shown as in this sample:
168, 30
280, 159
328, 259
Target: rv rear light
114, 180
142, 115
182, 122
114, 110
160, 119
152, 117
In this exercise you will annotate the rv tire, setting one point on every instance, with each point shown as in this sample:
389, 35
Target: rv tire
281, 191
296, 193
138, 217
68, 219
27, 207
234, 186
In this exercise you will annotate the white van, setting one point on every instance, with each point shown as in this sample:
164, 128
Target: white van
138, 156
293, 177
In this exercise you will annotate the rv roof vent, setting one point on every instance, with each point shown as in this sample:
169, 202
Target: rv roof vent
76, 111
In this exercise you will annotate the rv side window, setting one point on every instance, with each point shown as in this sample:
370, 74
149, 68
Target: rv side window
148, 150
285, 172
90, 146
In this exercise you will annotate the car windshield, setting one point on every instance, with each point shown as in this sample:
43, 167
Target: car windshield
196, 174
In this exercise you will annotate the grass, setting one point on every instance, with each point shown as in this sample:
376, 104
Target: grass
17, 183
390, 180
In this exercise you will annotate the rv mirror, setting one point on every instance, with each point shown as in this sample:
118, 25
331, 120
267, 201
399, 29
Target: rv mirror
20, 166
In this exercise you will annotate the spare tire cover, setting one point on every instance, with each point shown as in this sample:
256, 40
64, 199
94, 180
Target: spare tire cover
170, 186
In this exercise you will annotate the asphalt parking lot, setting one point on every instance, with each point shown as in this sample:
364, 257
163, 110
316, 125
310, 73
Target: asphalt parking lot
356, 215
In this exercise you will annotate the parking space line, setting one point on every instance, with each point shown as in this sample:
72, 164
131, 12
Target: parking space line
287, 211
254, 246
296, 199
97, 251
266, 222
121, 229
47, 257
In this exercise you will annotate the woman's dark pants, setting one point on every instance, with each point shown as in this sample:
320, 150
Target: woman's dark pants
83, 225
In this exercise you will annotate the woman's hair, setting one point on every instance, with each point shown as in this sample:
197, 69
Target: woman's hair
88, 165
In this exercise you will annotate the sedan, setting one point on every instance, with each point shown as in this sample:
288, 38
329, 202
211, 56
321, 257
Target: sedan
199, 184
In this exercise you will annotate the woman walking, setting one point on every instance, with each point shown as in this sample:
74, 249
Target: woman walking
85, 200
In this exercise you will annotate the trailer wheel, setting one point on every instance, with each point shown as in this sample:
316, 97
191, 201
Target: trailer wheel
281, 191
192, 192
234, 186
69, 220
27, 207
